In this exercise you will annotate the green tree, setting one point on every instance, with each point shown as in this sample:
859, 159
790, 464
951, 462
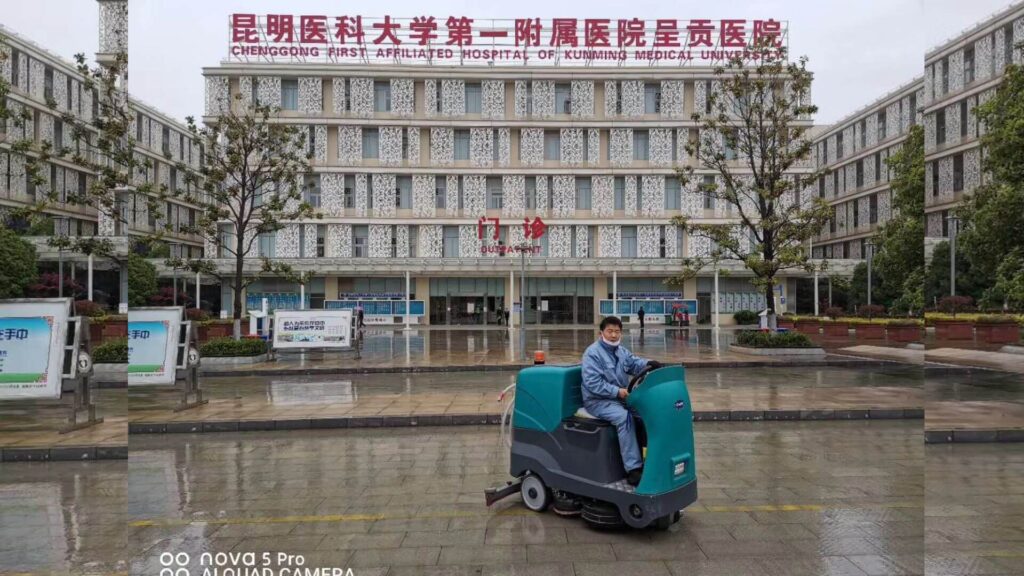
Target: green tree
17, 265
252, 177
142, 284
899, 251
993, 214
936, 284
754, 137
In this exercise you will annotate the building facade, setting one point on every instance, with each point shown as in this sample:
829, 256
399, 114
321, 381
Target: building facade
43, 88
854, 150
438, 171
960, 75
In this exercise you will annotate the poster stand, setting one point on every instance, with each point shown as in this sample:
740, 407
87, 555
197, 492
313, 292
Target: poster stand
187, 369
356, 340
77, 371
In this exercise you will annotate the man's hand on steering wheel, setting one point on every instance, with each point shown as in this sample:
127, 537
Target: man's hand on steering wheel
654, 365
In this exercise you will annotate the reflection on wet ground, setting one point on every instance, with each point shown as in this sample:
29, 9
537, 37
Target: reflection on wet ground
37, 423
974, 400
974, 520
384, 348
63, 517
280, 397
794, 498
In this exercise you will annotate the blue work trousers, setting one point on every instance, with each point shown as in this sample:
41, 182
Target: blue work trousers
622, 418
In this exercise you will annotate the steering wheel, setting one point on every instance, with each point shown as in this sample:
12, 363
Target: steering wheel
639, 378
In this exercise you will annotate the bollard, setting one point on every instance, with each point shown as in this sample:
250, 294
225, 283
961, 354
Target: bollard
538, 357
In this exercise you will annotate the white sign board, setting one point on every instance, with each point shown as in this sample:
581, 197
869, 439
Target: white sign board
470, 307
312, 328
32, 336
153, 345
544, 305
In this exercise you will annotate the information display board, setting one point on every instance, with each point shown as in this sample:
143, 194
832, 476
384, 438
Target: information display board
312, 329
153, 335
32, 336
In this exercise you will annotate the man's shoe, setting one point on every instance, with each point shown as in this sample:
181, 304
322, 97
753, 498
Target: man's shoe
633, 476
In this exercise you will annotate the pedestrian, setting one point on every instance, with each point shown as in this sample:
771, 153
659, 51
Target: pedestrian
359, 316
501, 315
640, 314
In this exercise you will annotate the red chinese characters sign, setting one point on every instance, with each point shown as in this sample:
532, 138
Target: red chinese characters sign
465, 40
532, 230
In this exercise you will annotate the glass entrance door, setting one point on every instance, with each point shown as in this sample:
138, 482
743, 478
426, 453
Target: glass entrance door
467, 310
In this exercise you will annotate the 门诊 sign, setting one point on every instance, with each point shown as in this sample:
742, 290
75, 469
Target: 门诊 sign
463, 40
312, 328
32, 335
153, 345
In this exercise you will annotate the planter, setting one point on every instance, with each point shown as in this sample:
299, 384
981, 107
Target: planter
212, 361
110, 374
788, 324
836, 329
903, 333
817, 352
100, 332
953, 330
869, 331
811, 327
210, 331
998, 333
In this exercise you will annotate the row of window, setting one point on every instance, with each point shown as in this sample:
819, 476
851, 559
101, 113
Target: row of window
941, 83
312, 193
859, 219
72, 88
473, 94
861, 132
166, 134
841, 250
882, 170
941, 133
958, 174
450, 236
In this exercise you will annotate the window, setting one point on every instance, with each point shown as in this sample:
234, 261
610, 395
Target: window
552, 145
440, 191
935, 179
963, 119
652, 98
913, 109
821, 187
832, 225
173, 179
495, 151
529, 99
958, 173
350, 197
311, 141
48, 83
707, 190
873, 208
863, 134
321, 240
940, 127
58, 135
462, 144
495, 195
878, 167
672, 193
945, 75
403, 192
839, 145
450, 242
881, 125
856, 213
165, 141
381, 96
620, 193
641, 145
405, 144
583, 193
563, 99
824, 151
729, 145
473, 98
835, 183
268, 244
1008, 45
15, 68
414, 235
139, 120
629, 241
968, 65
586, 146
439, 91
289, 94
707, 96
360, 238
860, 173
531, 192
945, 223
371, 143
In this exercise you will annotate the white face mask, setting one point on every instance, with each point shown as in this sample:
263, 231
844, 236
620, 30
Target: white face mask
612, 344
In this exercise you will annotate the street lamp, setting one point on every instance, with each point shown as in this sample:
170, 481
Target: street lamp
522, 294
870, 246
953, 224
175, 254
60, 228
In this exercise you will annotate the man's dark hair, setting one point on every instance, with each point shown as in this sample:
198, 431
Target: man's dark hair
610, 321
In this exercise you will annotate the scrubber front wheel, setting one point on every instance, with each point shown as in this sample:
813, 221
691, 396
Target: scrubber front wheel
535, 494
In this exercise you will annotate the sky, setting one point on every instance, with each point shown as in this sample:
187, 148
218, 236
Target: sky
858, 51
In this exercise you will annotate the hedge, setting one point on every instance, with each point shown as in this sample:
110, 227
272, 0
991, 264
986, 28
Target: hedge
746, 317
111, 352
227, 347
758, 339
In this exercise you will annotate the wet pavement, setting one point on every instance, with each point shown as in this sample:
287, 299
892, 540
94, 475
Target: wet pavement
991, 359
792, 498
973, 405
974, 519
64, 518
440, 348
27, 425
781, 388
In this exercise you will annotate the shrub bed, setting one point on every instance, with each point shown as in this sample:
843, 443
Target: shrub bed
757, 339
746, 317
111, 352
228, 347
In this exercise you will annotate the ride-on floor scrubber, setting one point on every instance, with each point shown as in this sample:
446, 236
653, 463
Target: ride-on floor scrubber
564, 457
